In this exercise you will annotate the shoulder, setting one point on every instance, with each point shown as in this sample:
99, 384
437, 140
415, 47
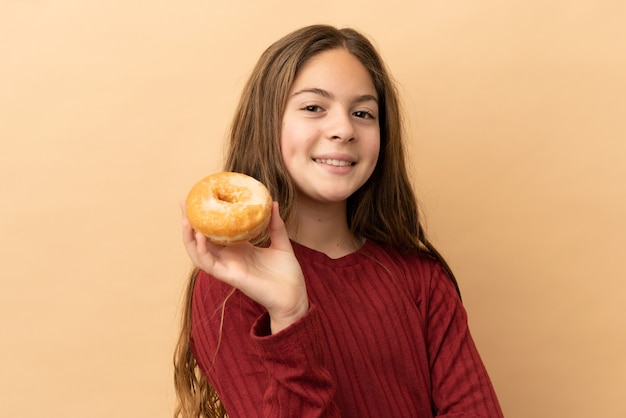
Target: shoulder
417, 262
422, 271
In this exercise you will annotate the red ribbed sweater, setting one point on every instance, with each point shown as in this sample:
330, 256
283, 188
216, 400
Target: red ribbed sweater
386, 336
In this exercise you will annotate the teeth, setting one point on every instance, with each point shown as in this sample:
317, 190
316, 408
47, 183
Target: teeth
337, 163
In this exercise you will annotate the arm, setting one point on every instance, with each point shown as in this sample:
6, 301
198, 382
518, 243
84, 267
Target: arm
258, 374
299, 383
270, 276
460, 384
258, 346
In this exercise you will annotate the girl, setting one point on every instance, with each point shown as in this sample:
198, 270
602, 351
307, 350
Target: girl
344, 308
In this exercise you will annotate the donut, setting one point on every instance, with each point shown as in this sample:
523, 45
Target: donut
229, 207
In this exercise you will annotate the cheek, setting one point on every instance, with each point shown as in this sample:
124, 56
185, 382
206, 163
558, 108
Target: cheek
373, 155
374, 149
293, 137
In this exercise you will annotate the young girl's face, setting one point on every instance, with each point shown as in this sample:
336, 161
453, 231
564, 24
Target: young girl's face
330, 130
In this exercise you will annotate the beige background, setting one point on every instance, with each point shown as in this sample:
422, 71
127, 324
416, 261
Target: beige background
110, 110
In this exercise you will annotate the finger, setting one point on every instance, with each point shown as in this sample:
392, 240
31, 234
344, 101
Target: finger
189, 237
201, 243
278, 231
187, 229
200, 252
191, 246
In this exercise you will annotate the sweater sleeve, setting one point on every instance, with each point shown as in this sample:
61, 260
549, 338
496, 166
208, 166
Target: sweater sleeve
460, 384
299, 383
257, 374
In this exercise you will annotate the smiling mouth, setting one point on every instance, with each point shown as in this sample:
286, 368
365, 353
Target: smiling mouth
336, 163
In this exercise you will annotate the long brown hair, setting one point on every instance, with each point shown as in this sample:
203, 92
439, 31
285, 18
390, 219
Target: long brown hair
254, 149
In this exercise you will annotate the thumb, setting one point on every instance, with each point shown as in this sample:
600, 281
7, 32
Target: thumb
278, 231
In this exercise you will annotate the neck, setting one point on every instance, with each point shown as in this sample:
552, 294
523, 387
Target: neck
324, 228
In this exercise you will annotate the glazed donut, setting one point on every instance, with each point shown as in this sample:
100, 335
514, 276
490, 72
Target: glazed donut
229, 208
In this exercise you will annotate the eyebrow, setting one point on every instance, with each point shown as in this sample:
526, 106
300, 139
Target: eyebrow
329, 95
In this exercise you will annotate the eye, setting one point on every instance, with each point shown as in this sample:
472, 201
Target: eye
363, 114
312, 108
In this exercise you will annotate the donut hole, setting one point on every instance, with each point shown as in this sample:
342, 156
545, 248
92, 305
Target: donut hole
224, 196
231, 194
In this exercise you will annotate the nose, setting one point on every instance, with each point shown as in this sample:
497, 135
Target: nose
341, 127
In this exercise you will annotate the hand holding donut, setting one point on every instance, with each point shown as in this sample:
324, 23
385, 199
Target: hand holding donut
271, 276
